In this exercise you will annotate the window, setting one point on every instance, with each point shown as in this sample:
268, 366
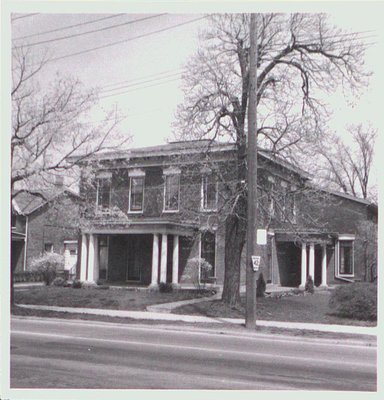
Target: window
103, 193
13, 220
346, 257
209, 192
271, 195
136, 194
48, 247
171, 192
208, 252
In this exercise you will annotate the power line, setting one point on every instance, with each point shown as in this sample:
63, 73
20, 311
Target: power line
139, 88
69, 26
88, 32
140, 83
125, 40
24, 16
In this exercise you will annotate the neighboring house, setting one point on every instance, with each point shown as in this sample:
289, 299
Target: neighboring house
151, 210
45, 223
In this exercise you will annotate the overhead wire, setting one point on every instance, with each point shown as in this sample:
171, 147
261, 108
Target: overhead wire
89, 32
24, 16
69, 27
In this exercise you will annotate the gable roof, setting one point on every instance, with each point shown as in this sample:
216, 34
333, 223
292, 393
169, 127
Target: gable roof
25, 203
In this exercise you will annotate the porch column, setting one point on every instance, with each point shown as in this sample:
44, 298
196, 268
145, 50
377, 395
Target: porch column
96, 259
324, 266
312, 261
83, 260
303, 265
163, 264
91, 258
155, 260
175, 264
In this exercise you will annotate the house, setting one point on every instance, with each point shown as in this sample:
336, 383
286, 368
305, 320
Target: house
44, 221
151, 211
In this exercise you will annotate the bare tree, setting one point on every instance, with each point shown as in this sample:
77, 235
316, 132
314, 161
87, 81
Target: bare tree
50, 124
347, 167
299, 55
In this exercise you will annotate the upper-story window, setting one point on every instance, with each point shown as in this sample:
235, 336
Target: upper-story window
171, 189
209, 193
136, 190
103, 196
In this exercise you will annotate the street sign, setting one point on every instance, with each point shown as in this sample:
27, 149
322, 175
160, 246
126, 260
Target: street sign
261, 237
255, 262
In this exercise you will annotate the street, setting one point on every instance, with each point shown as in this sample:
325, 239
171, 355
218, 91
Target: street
53, 353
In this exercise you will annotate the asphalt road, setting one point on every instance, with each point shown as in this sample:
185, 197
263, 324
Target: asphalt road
48, 353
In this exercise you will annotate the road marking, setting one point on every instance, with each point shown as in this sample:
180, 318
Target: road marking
204, 349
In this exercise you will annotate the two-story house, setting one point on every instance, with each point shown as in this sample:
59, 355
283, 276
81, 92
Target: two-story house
151, 210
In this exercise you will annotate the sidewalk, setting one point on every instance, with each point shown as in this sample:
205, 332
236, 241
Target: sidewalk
162, 316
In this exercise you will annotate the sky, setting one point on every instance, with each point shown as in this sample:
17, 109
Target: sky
141, 75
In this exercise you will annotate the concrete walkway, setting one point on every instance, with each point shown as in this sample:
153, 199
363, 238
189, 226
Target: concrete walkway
147, 315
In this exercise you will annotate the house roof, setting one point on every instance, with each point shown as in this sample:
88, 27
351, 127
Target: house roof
192, 147
26, 203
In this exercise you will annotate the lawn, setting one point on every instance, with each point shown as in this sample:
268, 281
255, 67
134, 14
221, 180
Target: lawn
117, 299
311, 308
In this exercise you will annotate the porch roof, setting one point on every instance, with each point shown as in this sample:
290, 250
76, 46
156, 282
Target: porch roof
142, 227
316, 237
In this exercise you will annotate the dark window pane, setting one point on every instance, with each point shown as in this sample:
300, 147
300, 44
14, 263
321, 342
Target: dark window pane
172, 192
137, 191
346, 258
208, 244
103, 193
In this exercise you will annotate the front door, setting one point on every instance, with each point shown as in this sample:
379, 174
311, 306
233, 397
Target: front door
134, 260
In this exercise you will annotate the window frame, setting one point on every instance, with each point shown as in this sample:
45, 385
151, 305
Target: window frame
130, 210
345, 239
204, 185
171, 173
106, 176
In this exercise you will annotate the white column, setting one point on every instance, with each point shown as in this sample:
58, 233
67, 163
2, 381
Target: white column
175, 264
91, 258
324, 266
163, 263
155, 260
83, 261
311, 271
96, 259
303, 265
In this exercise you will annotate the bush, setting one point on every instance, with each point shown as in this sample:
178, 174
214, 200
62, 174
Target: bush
355, 301
48, 265
309, 286
59, 281
165, 287
77, 284
261, 286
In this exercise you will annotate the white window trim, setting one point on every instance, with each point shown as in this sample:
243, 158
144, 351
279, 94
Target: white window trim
129, 198
200, 256
202, 195
344, 238
167, 173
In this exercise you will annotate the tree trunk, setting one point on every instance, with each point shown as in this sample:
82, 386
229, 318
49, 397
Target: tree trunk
235, 230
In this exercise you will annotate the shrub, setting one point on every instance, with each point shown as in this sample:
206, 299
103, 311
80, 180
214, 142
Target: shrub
59, 281
356, 301
48, 265
261, 286
165, 287
76, 284
309, 286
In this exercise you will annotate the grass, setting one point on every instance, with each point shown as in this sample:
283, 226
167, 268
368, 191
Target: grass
117, 299
311, 308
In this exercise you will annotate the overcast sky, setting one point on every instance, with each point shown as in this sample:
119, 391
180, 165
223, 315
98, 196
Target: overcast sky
146, 70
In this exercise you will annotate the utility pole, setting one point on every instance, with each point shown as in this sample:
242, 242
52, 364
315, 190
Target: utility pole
250, 312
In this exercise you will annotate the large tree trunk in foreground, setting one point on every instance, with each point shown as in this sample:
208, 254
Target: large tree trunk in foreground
235, 232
